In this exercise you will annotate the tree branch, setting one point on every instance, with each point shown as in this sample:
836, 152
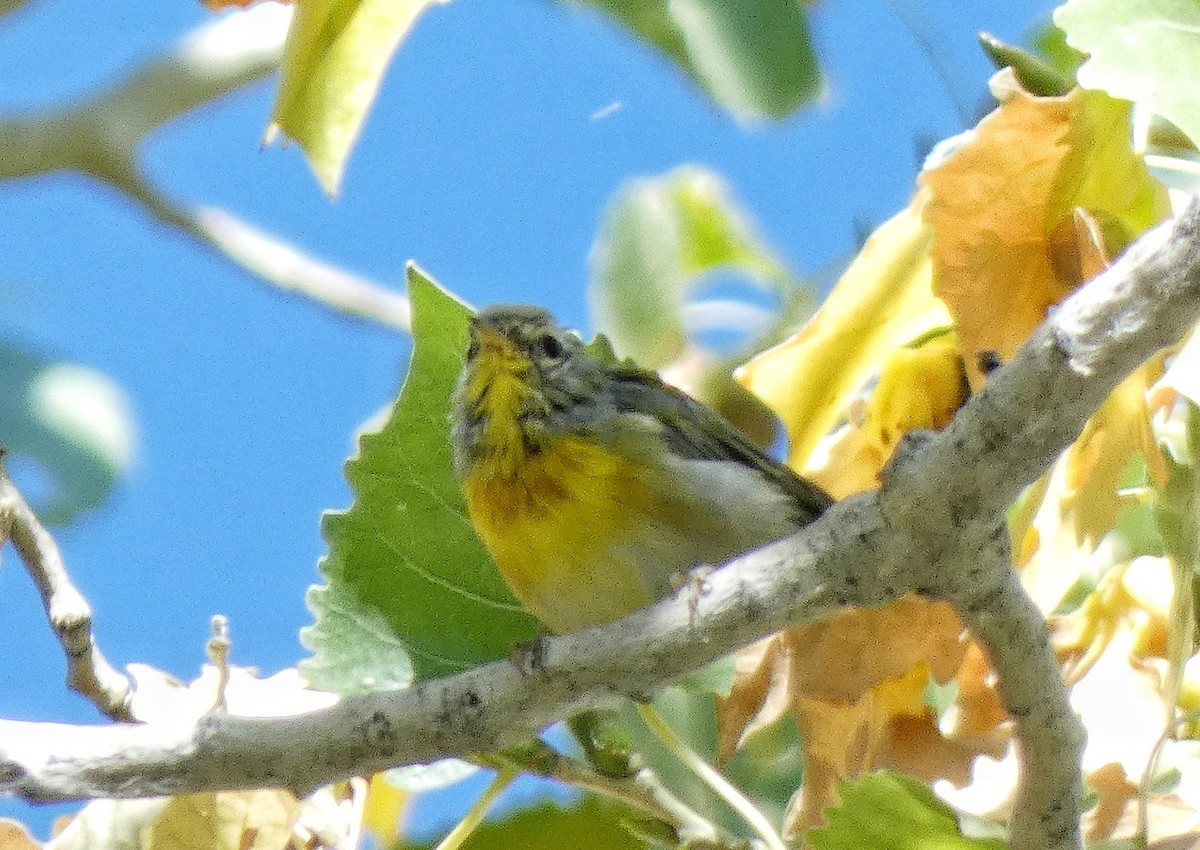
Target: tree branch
936, 526
100, 136
70, 616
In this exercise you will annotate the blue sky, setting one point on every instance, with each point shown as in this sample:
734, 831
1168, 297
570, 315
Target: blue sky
481, 160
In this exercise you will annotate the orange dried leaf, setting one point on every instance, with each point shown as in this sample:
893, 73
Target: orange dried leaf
1114, 792
1003, 203
846, 655
758, 696
14, 836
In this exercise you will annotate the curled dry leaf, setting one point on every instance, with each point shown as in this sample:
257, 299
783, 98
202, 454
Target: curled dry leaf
1007, 243
855, 684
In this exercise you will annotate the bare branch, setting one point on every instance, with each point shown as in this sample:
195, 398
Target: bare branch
936, 526
99, 137
70, 616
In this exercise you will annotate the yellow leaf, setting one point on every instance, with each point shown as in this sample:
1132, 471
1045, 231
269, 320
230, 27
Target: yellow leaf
1078, 502
883, 301
918, 388
333, 63
384, 809
226, 820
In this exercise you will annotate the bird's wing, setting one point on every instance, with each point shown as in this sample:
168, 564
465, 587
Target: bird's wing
696, 432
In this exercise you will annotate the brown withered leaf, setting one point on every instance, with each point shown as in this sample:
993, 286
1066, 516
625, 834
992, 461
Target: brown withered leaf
758, 696
844, 656
855, 685
1115, 792
1003, 205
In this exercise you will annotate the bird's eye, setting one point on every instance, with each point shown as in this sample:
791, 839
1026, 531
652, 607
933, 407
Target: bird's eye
473, 349
551, 346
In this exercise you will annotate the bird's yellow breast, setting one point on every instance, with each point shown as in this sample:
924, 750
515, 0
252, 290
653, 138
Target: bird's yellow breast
557, 529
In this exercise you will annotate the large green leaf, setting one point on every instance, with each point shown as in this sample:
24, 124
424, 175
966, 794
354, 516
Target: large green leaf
754, 57
405, 554
882, 811
72, 421
1146, 51
336, 54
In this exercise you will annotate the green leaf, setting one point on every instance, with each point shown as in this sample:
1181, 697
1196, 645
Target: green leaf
335, 57
882, 811
73, 422
1146, 51
356, 650
753, 57
591, 824
660, 237
1177, 511
405, 554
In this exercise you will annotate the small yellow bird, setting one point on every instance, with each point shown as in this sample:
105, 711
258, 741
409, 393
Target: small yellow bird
594, 485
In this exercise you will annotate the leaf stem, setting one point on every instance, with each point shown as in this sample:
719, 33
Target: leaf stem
722, 786
475, 815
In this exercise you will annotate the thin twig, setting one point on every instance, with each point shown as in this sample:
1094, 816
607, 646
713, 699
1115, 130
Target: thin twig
474, 817
273, 260
100, 137
70, 616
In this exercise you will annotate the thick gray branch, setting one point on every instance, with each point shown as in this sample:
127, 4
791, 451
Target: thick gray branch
936, 527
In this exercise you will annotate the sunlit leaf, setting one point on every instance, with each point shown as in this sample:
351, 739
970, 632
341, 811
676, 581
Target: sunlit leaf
1006, 243
405, 554
109, 823
227, 820
355, 648
384, 808
333, 64
1141, 50
921, 386
883, 811
882, 302
753, 57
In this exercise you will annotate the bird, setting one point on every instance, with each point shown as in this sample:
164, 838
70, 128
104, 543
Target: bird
596, 487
